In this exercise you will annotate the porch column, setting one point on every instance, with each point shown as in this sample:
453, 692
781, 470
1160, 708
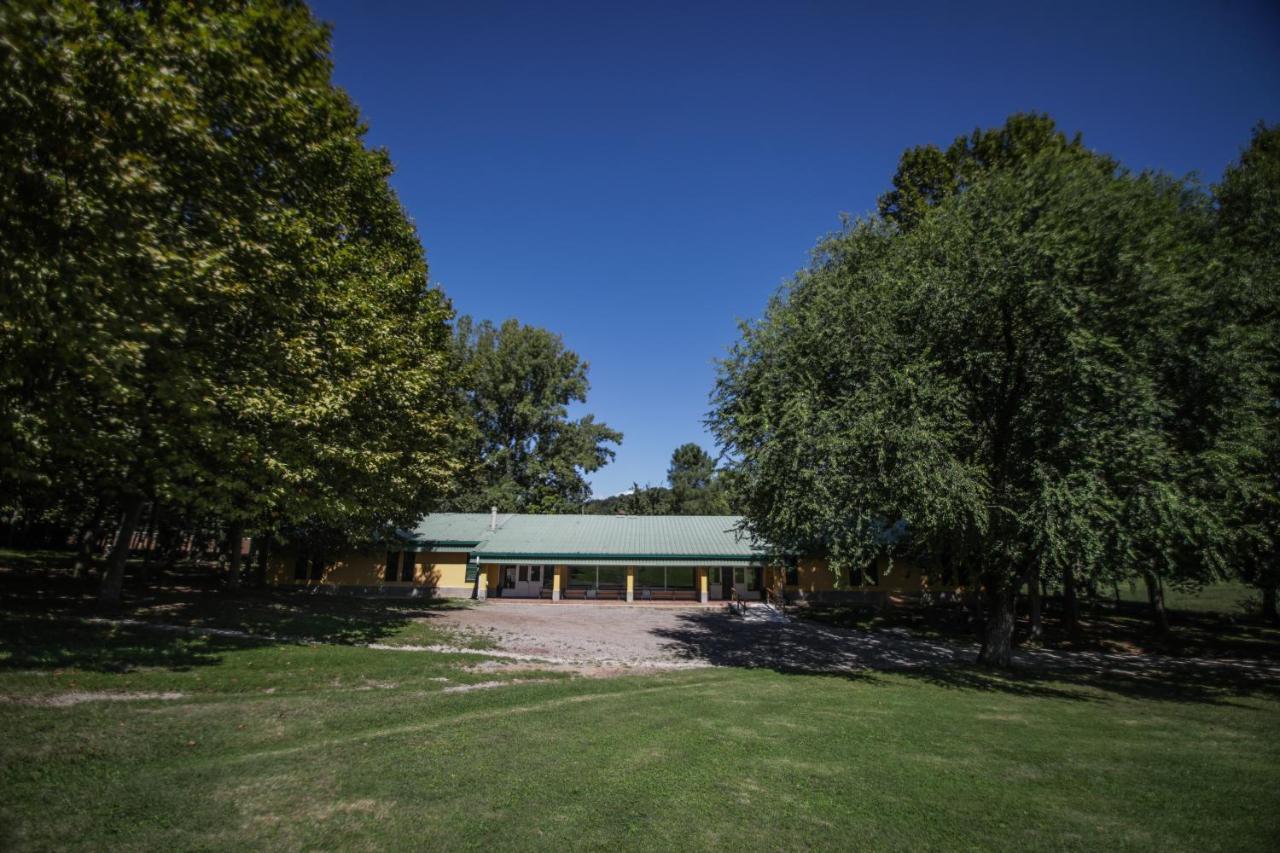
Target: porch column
702, 585
555, 582
631, 583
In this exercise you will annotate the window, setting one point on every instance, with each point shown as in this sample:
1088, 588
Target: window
393, 566
681, 577
317, 567
611, 577
524, 572
406, 566
793, 572
535, 574
300, 568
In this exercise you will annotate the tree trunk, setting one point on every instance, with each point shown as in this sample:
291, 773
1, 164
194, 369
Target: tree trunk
85, 545
1155, 594
149, 544
113, 576
997, 636
1033, 599
264, 554
235, 536
1070, 604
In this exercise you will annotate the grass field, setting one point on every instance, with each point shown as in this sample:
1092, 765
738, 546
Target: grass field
128, 736
1229, 597
339, 746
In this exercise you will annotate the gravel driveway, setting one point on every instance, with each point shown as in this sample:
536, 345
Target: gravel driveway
582, 636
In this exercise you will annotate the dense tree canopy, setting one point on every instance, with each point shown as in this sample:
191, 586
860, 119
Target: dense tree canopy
1249, 242
211, 297
1026, 361
524, 453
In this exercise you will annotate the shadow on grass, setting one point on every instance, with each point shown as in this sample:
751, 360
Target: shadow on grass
814, 648
52, 620
44, 643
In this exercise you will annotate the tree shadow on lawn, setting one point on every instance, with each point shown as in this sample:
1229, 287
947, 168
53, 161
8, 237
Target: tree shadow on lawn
31, 642
804, 647
179, 621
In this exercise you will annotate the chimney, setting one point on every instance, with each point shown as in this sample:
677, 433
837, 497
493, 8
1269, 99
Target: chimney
493, 518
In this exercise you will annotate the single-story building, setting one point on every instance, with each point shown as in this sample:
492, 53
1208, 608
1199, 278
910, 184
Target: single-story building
605, 557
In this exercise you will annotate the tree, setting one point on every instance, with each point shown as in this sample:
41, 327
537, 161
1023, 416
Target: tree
212, 297
695, 487
927, 176
1249, 245
1003, 361
525, 453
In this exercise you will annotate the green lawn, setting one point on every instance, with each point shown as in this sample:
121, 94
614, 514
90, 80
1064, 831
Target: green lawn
1230, 597
339, 746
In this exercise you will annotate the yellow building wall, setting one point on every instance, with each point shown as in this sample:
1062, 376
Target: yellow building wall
815, 575
434, 569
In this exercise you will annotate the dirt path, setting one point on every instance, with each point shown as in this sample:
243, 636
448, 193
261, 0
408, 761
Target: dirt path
626, 637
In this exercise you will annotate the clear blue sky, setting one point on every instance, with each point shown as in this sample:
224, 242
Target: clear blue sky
640, 176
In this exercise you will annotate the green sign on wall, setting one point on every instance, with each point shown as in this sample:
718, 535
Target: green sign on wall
473, 572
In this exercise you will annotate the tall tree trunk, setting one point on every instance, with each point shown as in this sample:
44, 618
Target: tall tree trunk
113, 576
1033, 599
85, 544
997, 635
264, 554
1155, 595
235, 537
149, 543
1070, 604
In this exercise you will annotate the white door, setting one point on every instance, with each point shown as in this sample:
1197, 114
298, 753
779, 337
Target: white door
746, 582
521, 581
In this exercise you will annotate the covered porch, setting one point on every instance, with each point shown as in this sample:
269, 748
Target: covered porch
631, 581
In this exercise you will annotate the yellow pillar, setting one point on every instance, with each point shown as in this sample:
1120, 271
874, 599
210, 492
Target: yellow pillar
631, 583
555, 583
702, 585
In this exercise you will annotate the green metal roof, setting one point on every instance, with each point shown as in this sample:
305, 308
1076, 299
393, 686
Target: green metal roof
586, 537
457, 529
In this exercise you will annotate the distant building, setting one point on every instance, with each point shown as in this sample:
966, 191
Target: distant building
604, 557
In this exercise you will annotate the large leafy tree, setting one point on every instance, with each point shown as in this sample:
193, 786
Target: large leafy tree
212, 298
1249, 242
997, 375
526, 454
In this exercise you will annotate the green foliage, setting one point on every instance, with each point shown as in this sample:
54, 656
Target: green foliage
1249, 248
211, 295
927, 176
695, 487
1029, 374
525, 453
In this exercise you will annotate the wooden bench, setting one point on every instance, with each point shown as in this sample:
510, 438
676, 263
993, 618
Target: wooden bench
594, 594
667, 595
